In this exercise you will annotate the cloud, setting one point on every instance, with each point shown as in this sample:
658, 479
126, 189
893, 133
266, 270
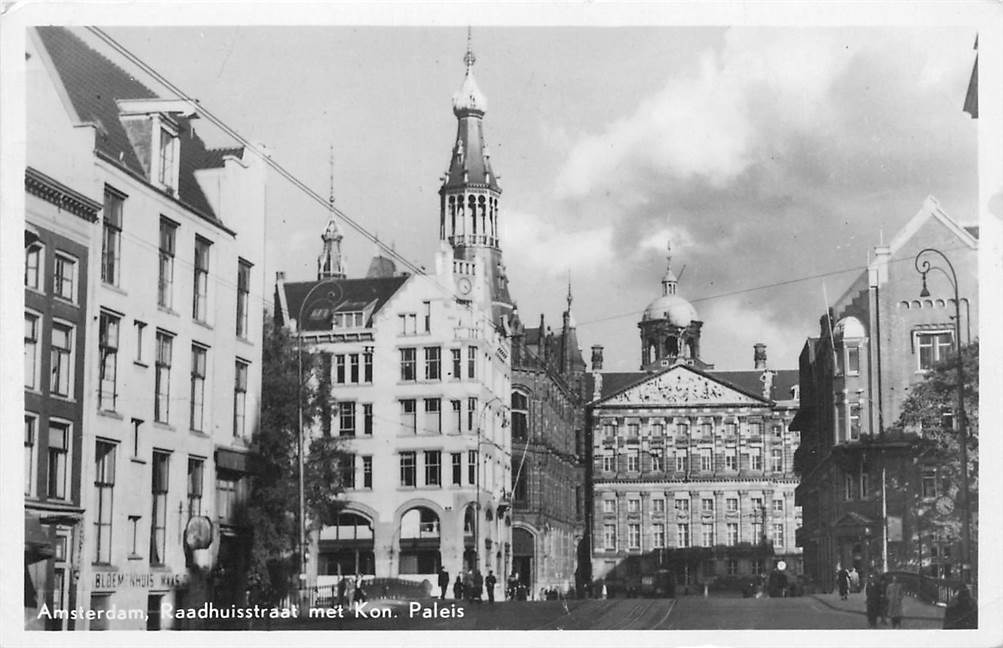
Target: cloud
536, 246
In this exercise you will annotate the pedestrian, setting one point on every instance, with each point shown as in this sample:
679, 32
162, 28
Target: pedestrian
341, 591
458, 588
874, 596
510, 586
360, 591
468, 586
489, 583
843, 582
854, 579
478, 585
605, 592
443, 582
894, 595
962, 613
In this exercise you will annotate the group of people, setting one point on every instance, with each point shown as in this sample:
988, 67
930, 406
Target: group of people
884, 602
469, 585
885, 594
848, 580
351, 590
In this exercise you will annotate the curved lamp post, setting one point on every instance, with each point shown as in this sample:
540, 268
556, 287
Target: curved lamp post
477, 518
923, 267
331, 296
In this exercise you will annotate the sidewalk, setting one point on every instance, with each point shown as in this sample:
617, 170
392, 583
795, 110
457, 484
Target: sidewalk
857, 602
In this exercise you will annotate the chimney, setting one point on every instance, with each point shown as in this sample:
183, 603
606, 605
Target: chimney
597, 357
759, 356
280, 276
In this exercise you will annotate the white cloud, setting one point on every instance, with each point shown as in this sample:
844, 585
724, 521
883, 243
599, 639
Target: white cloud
536, 247
731, 327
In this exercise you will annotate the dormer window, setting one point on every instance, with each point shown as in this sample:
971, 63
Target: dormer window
353, 319
167, 158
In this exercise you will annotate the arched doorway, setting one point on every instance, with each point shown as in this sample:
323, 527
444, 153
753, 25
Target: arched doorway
523, 558
469, 542
346, 547
419, 542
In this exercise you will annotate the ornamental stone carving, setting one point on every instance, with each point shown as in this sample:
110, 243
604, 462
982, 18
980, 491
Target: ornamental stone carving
681, 386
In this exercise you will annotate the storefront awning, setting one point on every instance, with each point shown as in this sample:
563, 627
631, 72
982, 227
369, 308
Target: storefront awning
37, 543
244, 462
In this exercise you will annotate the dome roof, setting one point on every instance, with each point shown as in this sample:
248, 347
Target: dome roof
849, 327
469, 97
674, 308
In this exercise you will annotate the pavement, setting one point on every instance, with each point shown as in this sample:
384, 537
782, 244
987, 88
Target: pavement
912, 609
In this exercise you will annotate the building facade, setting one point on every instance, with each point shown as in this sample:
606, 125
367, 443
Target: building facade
171, 359
691, 468
880, 338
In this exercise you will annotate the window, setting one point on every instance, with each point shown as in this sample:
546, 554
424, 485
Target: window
367, 365
471, 414
934, 347
847, 486
407, 469
472, 362
633, 461
433, 416
854, 416
757, 566
730, 429
162, 392
730, 459
433, 468
633, 430
732, 533
108, 350
196, 467
658, 535
520, 415
433, 363
200, 301
239, 398
634, 536
731, 504
134, 535
682, 535
757, 530
339, 369
243, 296
609, 431
707, 429
158, 518
777, 460
408, 364
367, 419
756, 459
778, 432
681, 461
137, 424
457, 464
140, 328
607, 463
707, 535
61, 359
609, 537
30, 453
198, 387
111, 237
682, 429
346, 468
457, 368
165, 280
928, 485
864, 485
367, 472
853, 360
31, 325
778, 506
682, 506
707, 505
353, 368
778, 535
706, 461
427, 310
226, 495
408, 416
657, 430
633, 506
346, 418
732, 567
609, 506
656, 462
33, 266
165, 173
471, 467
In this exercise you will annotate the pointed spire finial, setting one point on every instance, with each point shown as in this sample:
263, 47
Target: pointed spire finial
668, 254
569, 291
330, 198
469, 57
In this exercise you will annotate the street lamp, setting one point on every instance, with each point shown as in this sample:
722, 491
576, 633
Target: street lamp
332, 296
477, 518
923, 268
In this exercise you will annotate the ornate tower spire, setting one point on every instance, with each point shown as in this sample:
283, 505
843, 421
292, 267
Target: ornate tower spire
330, 199
330, 263
669, 279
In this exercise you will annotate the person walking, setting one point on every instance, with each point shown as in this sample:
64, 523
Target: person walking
874, 596
489, 583
341, 591
894, 594
962, 613
468, 586
458, 588
443, 583
360, 592
843, 582
478, 585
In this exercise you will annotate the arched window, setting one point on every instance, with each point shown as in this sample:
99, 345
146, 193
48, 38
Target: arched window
346, 547
520, 416
419, 542
671, 346
469, 534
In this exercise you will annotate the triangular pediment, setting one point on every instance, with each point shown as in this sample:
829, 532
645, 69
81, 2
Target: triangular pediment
681, 386
852, 518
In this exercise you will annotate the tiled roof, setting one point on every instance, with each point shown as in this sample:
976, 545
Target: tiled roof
94, 83
746, 381
342, 292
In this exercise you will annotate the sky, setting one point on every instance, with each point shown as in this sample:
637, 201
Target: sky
766, 155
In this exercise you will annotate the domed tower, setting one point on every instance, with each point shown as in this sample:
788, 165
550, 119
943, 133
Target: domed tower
469, 195
670, 328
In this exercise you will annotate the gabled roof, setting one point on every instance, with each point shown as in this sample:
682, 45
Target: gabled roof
94, 84
349, 293
932, 209
747, 382
680, 384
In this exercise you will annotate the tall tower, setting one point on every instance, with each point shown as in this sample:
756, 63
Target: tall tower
469, 195
331, 263
670, 330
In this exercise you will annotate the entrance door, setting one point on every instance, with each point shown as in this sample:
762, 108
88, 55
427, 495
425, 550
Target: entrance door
153, 611
522, 558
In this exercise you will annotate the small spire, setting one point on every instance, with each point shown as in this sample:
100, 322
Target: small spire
330, 198
669, 279
469, 59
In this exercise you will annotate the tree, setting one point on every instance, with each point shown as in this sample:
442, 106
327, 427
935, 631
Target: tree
271, 509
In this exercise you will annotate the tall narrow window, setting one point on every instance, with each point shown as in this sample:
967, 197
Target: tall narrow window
200, 302
854, 418
682, 535
471, 414
197, 418
408, 416
108, 351
471, 467
407, 468
457, 463
196, 467
433, 468
59, 450
227, 483
457, 365
61, 359
367, 472
427, 310
433, 416
111, 237
162, 388
166, 160
104, 485
137, 426
520, 416
30, 453
633, 536
33, 266
339, 369
347, 470
64, 278
367, 365
852, 360
777, 460
158, 519
243, 296
609, 537
367, 419
732, 534
778, 536
433, 363
239, 398
140, 328
31, 326
408, 364
658, 535
346, 418
165, 280
353, 368
472, 362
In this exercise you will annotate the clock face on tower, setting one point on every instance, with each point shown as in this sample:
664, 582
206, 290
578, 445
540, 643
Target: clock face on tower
944, 505
464, 286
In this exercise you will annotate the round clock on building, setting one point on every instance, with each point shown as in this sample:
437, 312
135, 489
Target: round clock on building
464, 286
944, 505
